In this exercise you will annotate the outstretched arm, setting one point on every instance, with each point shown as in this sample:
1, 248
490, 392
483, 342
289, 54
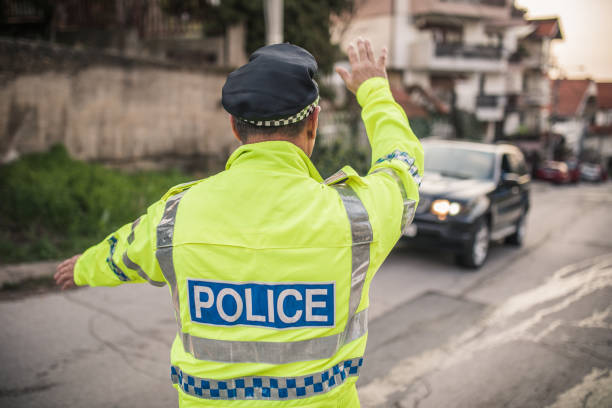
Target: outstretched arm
125, 256
390, 191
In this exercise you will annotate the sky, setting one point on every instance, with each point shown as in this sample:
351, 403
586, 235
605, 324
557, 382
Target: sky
586, 50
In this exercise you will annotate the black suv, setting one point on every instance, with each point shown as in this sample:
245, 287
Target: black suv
472, 193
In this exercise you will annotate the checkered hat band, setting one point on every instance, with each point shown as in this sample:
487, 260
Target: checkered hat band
286, 121
267, 388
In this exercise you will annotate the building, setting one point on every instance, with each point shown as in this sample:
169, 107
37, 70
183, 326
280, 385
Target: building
530, 97
599, 137
573, 108
135, 28
476, 56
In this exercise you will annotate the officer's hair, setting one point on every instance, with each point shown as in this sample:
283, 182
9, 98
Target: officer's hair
246, 129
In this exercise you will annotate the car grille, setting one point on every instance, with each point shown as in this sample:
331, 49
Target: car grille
424, 203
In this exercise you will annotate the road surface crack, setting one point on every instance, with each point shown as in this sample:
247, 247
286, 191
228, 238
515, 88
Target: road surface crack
124, 356
20, 392
126, 323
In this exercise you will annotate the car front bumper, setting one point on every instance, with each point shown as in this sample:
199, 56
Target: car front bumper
451, 234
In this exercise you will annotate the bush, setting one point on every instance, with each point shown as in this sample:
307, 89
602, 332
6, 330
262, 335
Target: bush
53, 206
328, 159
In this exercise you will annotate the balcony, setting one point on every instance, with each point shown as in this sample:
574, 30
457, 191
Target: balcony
459, 58
481, 9
468, 51
490, 108
535, 98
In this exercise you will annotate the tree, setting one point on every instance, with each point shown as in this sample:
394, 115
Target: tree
307, 23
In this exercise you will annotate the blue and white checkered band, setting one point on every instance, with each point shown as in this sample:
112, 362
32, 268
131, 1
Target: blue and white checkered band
267, 388
406, 158
301, 115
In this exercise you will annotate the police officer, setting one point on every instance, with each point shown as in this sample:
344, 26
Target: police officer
268, 265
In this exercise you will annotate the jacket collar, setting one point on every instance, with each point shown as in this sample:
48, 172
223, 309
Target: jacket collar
274, 155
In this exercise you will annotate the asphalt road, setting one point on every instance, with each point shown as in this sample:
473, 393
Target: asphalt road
532, 328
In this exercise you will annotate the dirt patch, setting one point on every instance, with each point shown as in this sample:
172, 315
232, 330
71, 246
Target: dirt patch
28, 287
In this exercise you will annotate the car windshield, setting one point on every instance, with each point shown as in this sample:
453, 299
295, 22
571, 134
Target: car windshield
459, 162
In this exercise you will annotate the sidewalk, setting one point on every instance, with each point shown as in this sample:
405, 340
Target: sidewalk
17, 273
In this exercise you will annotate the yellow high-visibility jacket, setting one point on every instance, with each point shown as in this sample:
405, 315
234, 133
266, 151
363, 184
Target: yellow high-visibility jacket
269, 267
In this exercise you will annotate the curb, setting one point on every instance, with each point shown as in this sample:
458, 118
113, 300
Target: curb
17, 273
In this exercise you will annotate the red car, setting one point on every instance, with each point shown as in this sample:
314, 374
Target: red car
554, 171
573, 167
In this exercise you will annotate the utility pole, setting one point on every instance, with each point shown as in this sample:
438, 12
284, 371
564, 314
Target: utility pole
273, 12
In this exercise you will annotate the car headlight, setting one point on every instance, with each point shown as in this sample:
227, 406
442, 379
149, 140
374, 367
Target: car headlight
454, 209
442, 208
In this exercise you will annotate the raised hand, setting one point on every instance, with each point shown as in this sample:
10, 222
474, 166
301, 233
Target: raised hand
363, 65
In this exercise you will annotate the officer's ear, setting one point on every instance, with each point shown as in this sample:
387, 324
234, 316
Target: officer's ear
234, 130
313, 123
311, 130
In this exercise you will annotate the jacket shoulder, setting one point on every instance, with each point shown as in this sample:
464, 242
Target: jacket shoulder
180, 188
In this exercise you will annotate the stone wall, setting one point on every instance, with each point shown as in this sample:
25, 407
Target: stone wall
108, 108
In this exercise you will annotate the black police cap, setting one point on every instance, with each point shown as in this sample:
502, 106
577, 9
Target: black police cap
275, 88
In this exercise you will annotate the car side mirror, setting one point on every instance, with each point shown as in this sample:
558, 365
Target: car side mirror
510, 179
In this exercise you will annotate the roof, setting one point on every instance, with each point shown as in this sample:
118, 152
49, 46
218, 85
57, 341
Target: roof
416, 102
546, 28
370, 8
568, 95
405, 101
604, 95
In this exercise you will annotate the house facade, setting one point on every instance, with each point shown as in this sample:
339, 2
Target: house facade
599, 137
479, 57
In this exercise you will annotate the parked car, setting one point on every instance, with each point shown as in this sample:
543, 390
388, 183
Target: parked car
471, 194
593, 172
554, 171
573, 168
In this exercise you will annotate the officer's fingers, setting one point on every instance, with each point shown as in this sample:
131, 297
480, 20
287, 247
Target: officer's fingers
62, 274
64, 268
344, 74
68, 285
382, 60
64, 262
368, 46
361, 47
62, 279
57, 275
352, 54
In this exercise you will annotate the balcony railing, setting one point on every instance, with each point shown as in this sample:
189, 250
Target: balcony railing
487, 101
426, 54
490, 107
494, 3
468, 51
535, 98
497, 9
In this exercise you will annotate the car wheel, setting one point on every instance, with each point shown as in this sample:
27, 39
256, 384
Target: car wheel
519, 235
476, 254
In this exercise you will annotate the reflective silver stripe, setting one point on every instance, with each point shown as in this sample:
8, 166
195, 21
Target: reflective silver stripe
264, 387
361, 232
130, 237
336, 177
277, 352
409, 205
135, 267
165, 236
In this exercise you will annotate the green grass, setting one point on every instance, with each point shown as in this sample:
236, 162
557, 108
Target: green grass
52, 206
